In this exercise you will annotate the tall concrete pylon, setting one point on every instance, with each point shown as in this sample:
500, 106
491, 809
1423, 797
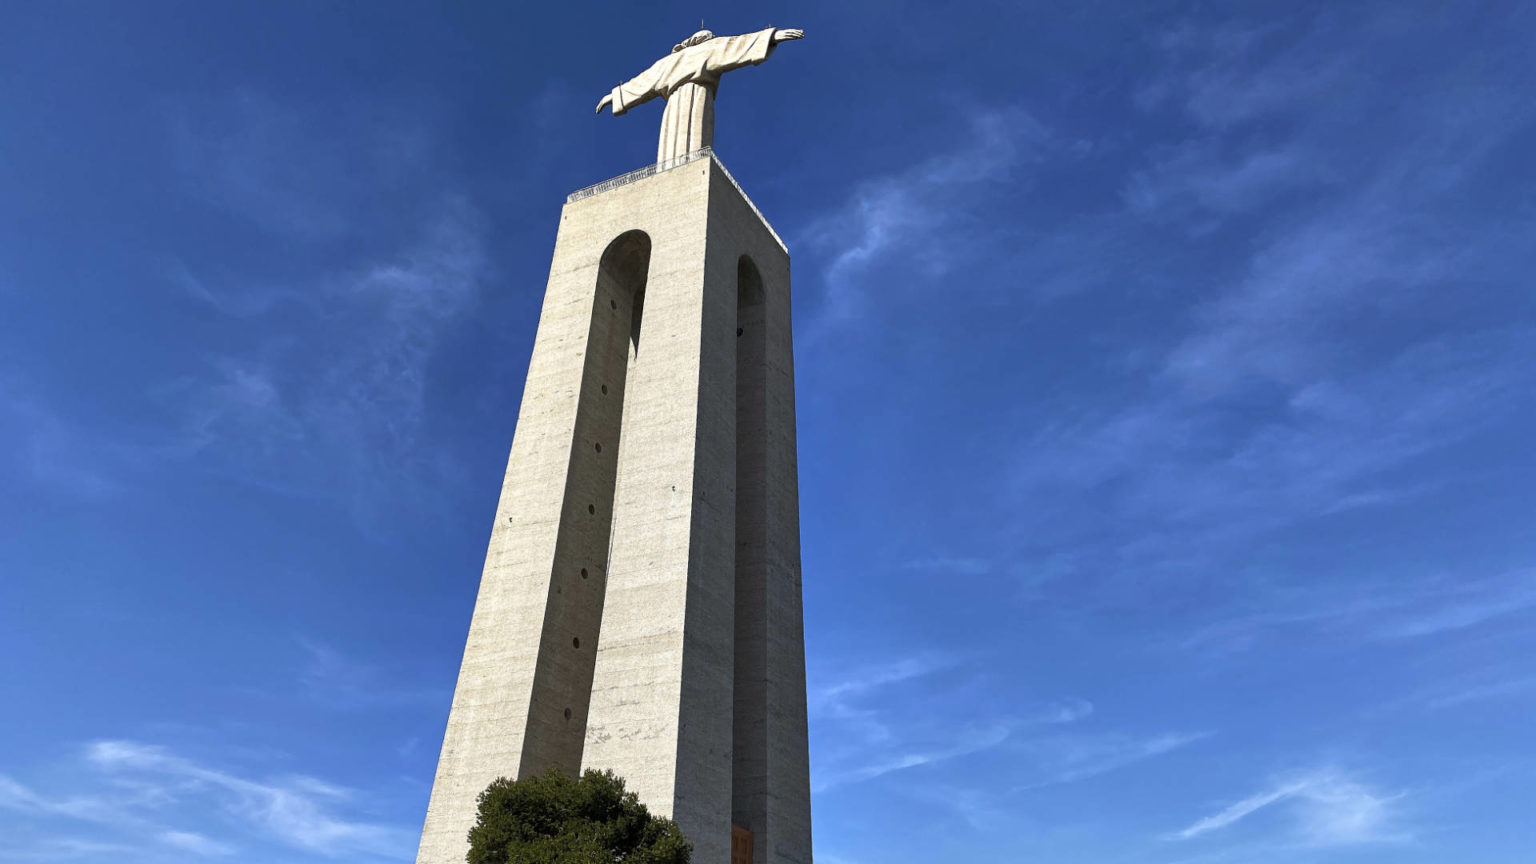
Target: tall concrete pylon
640, 607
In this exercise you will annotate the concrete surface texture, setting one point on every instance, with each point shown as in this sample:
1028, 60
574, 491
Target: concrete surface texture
640, 607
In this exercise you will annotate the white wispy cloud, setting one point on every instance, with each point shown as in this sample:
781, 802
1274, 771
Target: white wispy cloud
29, 848
329, 397
195, 843
836, 694
332, 678
1460, 694
950, 565
1458, 608
844, 699
358, 395
311, 375
1327, 807
298, 811
1069, 758
879, 723
1198, 184
1223, 76
1305, 379
1402, 609
53, 451
1378, 226
1167, 483
296, 171
965, 742
144, 798
877, 717
18, 797
893, 220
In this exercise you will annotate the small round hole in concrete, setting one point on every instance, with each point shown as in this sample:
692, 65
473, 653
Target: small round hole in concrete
591, 509
575, 642
599, 447
567, 713
612, 305
605, 389
738, 331
583, 572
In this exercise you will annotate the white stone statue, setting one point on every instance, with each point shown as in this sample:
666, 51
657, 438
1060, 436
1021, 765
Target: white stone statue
687, 79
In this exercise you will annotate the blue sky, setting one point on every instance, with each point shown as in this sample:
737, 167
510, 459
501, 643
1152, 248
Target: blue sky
1166, 374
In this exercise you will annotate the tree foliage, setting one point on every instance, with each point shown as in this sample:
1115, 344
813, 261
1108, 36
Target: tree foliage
558, 819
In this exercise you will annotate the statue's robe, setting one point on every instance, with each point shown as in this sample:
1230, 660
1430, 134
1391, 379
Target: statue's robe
687, 80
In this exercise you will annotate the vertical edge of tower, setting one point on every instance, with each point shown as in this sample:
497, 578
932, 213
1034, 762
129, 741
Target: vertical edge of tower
488, 719
779, 801
789, 792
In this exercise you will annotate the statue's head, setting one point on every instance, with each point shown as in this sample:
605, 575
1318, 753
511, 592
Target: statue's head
701, 36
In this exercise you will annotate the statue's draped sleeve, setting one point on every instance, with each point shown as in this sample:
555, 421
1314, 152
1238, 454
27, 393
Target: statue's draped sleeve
702, 64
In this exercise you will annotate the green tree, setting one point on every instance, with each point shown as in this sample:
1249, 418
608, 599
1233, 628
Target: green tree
558, 819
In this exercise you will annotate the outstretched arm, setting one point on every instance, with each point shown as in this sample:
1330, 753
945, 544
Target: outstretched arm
722, 54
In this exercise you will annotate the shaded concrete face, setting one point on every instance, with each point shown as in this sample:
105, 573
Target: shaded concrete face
749, 774
557, 712
640, 605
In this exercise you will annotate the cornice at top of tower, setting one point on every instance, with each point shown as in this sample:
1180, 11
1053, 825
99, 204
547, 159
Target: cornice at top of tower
662, 167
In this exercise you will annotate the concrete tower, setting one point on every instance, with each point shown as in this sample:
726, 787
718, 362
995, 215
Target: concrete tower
640, 605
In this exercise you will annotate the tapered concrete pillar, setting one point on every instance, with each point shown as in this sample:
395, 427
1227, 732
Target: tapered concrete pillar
640, 605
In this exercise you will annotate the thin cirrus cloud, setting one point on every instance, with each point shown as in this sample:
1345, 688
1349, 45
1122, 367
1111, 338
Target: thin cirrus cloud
1347, 225
1404, 610
835, 695
853, 703
877, 224
55, 452
964, 742
296, 172
371, 395
195, 843
145, 797
869, 716
1344, 252
307, 380
324, 383
1326, 270
1459, 695
1141, 482
1326, 808
877, 724
1058, 759
337, 680
950, 565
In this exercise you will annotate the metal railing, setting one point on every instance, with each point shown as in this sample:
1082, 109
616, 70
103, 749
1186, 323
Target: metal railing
659, 167
640, 174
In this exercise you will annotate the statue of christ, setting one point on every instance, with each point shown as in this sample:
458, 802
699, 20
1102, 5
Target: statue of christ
687, 79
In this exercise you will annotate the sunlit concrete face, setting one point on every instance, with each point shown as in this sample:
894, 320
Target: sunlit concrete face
640, 605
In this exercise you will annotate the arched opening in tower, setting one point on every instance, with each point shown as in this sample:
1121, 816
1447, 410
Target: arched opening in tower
749, 769
562, 685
